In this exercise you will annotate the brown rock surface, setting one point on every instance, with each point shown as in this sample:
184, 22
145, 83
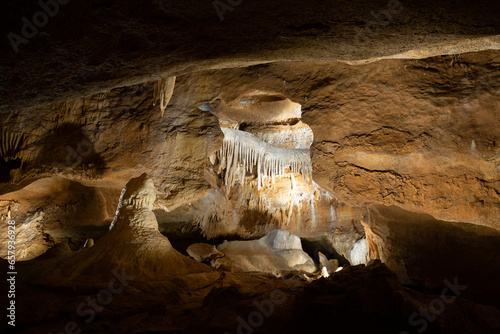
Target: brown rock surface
419, 134
203, 252
400, 101
422, 135
91, 48
425, 251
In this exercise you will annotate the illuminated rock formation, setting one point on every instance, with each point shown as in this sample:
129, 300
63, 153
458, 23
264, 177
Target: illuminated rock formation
359, 252
261, 176
330, 266
368, 129
277, 252
244, 150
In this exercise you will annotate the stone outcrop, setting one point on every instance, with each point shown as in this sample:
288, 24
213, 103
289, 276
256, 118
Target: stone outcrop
424, 251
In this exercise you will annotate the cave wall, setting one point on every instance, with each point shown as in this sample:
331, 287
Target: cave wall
95, 46
76, 157
425, 251
422, 135
107, 138
419, 134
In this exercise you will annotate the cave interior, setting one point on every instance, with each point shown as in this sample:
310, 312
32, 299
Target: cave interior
250, 166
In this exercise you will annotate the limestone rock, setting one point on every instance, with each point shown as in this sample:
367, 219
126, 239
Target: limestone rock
133, 245
297, 259
278, 252
204, 252
281, 239
330, 265
359, 252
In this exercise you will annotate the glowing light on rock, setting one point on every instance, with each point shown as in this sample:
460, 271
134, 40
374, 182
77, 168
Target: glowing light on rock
324, 272
242, 149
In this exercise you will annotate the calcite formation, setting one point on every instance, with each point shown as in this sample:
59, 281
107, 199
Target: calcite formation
244, 150
330, 266
133, 245
10, 143
163, 91
276, 253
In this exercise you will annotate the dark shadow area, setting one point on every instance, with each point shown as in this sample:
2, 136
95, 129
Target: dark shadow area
432, 252
314, 245
6, 166
182, 243
68, 147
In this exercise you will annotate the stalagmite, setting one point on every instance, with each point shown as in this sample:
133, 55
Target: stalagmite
133, 244
163, 91
242, 149
329, 265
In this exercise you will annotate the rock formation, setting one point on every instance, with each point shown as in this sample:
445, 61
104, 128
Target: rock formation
204, 252
244, 150
278, 252
422, 250
163, 91
330, 266
133, 244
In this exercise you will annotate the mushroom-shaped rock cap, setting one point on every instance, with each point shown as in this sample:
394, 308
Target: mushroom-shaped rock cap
139, 192
136, 204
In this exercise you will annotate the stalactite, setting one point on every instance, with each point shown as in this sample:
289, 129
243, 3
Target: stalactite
214, 214
9, 144
242, 153
244, 150
163, 90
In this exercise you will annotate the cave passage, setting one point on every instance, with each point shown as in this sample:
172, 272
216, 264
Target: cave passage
264, 167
